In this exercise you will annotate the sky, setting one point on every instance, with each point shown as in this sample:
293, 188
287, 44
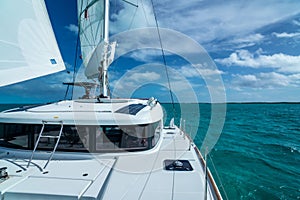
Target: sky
249, 50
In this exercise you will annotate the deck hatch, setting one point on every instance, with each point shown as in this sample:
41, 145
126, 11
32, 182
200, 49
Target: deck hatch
131, 109
177, 165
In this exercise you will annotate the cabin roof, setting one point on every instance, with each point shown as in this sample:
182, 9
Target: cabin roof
87, 112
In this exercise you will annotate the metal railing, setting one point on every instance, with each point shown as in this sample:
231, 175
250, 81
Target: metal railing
41, 135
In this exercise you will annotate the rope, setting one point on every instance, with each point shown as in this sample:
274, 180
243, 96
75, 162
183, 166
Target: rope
164, 60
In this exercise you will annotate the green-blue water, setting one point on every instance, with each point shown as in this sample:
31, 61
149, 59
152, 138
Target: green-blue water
258, 153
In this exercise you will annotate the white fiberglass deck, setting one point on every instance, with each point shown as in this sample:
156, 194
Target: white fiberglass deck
139, 175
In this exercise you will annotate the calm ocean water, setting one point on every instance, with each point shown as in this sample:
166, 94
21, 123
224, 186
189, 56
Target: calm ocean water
258, 153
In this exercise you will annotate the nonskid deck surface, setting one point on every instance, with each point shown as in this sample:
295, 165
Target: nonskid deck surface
139, 175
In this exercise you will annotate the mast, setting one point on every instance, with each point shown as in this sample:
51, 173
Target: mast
97, 51
106, 45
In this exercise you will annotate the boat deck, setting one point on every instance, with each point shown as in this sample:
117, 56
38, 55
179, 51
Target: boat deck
138, 175
145, 177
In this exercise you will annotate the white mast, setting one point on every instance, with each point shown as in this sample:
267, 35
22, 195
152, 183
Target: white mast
106, 44
97, 51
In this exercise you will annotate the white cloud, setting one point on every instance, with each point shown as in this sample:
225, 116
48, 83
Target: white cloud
249, 38
146, 55
207, 21
73, 28
286, 35
262, 80
144, 76
135, 78
190, 72
281, 62
154, 74
246, 41
296, 22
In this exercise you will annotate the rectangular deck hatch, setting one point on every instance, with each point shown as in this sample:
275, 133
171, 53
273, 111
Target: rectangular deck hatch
131, 109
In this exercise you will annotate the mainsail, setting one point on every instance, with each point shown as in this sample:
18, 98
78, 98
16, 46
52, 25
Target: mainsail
93, 32
28, 48
91, 26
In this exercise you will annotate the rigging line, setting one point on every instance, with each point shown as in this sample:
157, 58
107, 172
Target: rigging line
87, 7
133, 17
145, 15
164, 59
135, 5
173, 174
66, 93
75, 60
80, 21
75, 63
74, 69
222, 186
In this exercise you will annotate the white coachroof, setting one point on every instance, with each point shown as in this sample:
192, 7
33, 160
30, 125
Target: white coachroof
87, 112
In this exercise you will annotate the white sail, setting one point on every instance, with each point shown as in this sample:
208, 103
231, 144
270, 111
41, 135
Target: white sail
91, 28
28, 48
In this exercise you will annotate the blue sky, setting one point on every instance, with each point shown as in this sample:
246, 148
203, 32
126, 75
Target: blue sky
254, 45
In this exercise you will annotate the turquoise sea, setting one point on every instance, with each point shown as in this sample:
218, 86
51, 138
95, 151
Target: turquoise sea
257, 155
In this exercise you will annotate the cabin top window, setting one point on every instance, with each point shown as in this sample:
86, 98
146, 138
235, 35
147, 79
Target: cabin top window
81, 138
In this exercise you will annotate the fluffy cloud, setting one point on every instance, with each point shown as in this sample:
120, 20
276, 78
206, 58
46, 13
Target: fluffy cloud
264, 80
286, 35
73, 28
280, 61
